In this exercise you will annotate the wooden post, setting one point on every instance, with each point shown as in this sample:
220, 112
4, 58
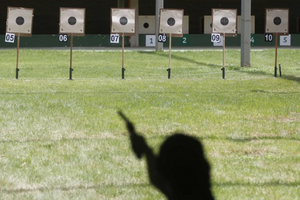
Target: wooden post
276, 47
224, 50
71, 56
123, 50
18, 49
170, 44
123, 69
71, 50
223, 69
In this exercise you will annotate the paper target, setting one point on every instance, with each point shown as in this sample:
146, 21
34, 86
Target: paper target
122, 20
277, 21
72, 21
19, 20
171, 21
146, 24
224, 21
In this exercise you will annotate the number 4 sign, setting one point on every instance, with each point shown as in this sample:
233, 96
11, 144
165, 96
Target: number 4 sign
10, 37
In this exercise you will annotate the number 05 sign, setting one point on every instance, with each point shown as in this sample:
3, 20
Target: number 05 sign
10, 37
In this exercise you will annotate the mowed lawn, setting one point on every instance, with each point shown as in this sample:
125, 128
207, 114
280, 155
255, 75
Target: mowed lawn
62, 139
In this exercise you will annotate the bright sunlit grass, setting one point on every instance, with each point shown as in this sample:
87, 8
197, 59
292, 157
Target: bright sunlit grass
62, 139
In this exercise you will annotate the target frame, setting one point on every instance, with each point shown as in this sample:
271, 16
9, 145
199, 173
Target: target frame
226, 23
168, 19
128, 24
282, 16
25, 16
72, 21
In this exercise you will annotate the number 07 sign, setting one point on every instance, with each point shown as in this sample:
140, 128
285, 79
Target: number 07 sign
114, 38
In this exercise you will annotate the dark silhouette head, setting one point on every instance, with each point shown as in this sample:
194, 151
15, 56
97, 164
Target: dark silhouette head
182, 164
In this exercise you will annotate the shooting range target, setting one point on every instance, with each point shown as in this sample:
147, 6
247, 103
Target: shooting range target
171, 21
224, 21
19, 20
122, 20
146, 24
72, 21
277, 21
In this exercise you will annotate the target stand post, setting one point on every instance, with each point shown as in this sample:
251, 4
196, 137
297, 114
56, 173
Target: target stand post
123, 69
223, 68
170, 45
71, 57
18, 49
276, 47
280, 70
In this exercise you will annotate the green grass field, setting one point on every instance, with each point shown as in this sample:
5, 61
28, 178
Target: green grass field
62, 139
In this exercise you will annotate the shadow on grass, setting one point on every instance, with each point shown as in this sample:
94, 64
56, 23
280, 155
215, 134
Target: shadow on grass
76, 187
264, 184
180, 58
162, 137
249, 139
99, 186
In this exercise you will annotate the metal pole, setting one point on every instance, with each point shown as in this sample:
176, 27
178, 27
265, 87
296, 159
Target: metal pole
159, 4
245, 33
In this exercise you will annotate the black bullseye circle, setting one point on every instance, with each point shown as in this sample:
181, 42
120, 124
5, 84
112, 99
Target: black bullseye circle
20, 21
123, 21
72, 21
171, 21
277, 21
224, 21
146, 25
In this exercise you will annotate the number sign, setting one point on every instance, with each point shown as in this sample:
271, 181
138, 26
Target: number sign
63, 38
162, 38
10, 37
215, 37
268, 37
115, 38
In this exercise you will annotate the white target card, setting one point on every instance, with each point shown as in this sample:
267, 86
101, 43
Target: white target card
224, 21
170, 21
123, 21
19, 20
72, 21
277, 21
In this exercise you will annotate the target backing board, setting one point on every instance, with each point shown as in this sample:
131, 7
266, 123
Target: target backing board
224, 21
123, 21
19, 20
72, 21
170, 21
277, 21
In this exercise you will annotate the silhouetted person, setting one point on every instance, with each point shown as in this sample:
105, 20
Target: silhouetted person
180, 170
